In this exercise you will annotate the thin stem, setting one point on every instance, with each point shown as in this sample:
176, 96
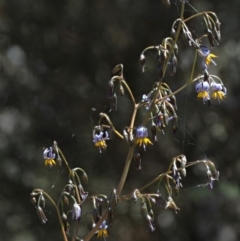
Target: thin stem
129, 91
199, 14
103, 115
193, 67
122, 179
125, 170
65, 160
58, 212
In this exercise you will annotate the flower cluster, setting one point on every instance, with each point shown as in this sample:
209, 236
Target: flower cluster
209, 86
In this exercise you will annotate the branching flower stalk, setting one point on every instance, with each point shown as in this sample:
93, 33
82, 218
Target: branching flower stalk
161, 110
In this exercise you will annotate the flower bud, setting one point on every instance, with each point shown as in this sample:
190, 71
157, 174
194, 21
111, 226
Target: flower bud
41, 215
154, 131
121, 90
76, 211
85, 177
117, 69
34, 201
137, 158
142, 62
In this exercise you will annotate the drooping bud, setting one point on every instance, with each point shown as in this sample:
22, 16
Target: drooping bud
34, 201
42, 201
134, 196
211, 38
143, 62
166, 3
137, 158
154, 131
76, 211
121, 90
117, 70
110, 89
41, 215
85, 178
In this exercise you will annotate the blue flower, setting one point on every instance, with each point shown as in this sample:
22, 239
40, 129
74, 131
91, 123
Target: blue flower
204, 52
142, 137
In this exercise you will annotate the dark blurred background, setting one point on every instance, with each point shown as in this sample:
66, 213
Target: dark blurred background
56, 59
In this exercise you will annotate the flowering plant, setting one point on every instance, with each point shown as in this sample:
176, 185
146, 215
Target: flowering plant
160, 106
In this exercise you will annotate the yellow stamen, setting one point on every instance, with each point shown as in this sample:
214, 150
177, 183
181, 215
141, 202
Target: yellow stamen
143, 141
203, 95
102, 233
50, 162
218, 95
101, 144
209, 58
